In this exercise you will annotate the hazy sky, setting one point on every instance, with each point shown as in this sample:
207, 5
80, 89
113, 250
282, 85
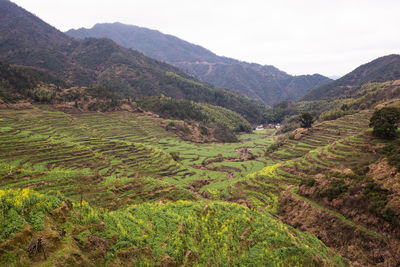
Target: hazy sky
331, 37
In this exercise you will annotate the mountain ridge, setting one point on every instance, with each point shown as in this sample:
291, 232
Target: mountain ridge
262, 82
381, 69
33, 42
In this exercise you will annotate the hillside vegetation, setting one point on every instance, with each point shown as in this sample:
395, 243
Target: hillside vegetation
19, 82
367, 96
187, 110
181, 233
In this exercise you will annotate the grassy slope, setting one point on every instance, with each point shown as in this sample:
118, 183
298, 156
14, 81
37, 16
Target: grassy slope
166, 234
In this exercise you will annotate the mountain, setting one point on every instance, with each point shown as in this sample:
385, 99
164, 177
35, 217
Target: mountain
265, 83
27, 40
379, 70
17, 82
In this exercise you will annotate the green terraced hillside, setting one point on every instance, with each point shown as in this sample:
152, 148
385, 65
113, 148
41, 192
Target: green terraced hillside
116, 158
106, 162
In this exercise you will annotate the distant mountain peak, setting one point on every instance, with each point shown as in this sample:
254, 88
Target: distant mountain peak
266, 83
378, 70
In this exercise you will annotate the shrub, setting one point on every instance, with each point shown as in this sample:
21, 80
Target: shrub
306, 120
392, 152
335, 189
204, 130
309, 182
334, 114
377, 197
384, 122
175, 156
41, 95
224, 134
20, 206
344, 107
274, 146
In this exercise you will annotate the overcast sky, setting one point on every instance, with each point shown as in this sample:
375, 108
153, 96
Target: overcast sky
331, 37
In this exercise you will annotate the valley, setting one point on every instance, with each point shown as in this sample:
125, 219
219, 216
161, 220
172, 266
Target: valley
110, 156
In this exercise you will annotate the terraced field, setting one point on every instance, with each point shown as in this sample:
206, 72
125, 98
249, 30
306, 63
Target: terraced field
120, 158
327, 145
326, 158
323, 134
116, 158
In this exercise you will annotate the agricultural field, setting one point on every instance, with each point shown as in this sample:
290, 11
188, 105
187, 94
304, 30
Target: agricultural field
111, 188
117, 158
125, 184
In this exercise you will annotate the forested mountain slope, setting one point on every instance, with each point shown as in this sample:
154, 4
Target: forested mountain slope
127, 72
379, 70
265, 83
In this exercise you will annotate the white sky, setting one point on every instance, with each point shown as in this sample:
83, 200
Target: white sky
331, 37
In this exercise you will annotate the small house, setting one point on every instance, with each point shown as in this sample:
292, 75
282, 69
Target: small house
259, 128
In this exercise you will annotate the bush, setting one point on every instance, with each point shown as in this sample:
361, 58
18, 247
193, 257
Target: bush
392, 152
274, 146
41, 95
384, 122
377, 197
175, 156
224, 134
204, 131
309, 182
183, 129
335, 189
334, 114
306, 120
